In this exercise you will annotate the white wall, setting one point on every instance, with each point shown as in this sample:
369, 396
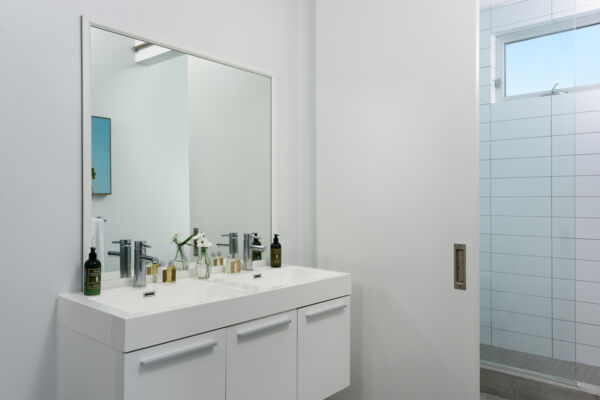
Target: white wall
40, 145
230, 151
540, 239
397, 186
148, 107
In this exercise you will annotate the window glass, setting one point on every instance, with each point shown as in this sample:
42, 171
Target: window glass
570, 58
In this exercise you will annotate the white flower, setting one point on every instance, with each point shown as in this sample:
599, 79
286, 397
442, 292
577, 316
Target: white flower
202, 240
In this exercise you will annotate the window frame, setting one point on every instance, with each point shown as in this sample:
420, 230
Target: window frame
501, 39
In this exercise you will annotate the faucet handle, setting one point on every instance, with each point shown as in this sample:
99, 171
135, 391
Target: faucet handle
143, 244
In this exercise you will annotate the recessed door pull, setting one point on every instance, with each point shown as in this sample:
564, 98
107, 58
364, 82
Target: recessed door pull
460, 266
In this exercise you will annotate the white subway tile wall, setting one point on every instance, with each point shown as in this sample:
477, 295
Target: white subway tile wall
539, 205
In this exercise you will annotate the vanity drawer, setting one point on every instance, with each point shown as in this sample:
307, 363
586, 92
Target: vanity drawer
186, 369
261, 359
323, 349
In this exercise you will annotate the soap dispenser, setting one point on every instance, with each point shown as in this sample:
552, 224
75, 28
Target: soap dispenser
276, 252
92, 270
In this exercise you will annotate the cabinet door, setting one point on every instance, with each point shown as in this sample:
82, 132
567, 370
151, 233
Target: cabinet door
323, 349
186, 369
261, 359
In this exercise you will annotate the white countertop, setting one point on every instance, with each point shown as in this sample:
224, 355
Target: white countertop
124, 319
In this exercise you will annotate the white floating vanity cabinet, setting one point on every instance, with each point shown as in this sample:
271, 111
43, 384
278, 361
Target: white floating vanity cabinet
299, 354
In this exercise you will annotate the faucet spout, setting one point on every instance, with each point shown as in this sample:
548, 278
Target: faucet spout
140, 259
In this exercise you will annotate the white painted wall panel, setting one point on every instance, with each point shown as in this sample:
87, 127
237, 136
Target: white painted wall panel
386, 139
41, 135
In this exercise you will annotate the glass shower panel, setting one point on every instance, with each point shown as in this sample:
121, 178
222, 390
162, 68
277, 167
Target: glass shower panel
527, 199
586, 116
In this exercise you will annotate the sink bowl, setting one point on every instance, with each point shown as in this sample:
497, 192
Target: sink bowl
156, 298
273, 278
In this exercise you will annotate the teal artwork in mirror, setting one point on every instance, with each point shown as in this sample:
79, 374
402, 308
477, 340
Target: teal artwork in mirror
101, 165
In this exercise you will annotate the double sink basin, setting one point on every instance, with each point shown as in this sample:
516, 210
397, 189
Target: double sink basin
130, 318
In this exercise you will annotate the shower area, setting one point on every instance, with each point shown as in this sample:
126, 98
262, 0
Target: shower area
540, 188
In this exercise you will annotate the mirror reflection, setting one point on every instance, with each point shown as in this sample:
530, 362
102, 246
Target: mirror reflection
189, 147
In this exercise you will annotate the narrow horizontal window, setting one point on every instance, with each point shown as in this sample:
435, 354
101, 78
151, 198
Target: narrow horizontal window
569, 58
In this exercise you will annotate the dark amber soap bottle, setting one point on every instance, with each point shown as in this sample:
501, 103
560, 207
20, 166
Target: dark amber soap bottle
276, 252
92, 270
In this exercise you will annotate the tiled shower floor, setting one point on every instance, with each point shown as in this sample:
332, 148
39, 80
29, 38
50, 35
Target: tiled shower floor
552, 367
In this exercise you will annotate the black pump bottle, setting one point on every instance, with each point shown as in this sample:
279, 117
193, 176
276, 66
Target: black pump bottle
276, 252
92, 270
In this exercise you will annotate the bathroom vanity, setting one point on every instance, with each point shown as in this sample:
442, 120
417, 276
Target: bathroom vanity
265, 334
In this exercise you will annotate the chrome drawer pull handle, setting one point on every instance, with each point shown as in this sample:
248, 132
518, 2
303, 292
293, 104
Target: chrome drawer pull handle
263, 327
325, 310
147, 362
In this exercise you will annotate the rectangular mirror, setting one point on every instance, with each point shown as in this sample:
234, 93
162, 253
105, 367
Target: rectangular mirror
183, 142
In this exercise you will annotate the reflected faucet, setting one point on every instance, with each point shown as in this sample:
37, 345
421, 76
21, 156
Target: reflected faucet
140, 259
248, 248
124, 255
232, 244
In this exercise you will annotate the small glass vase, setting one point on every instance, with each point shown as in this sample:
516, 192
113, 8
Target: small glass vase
203, 265
181, 258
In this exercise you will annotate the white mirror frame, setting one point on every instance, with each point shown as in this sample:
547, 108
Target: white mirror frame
86, 115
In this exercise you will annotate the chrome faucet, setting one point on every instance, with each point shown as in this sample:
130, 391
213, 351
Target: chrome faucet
232, 244
140, 259
248, 248
124, 255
